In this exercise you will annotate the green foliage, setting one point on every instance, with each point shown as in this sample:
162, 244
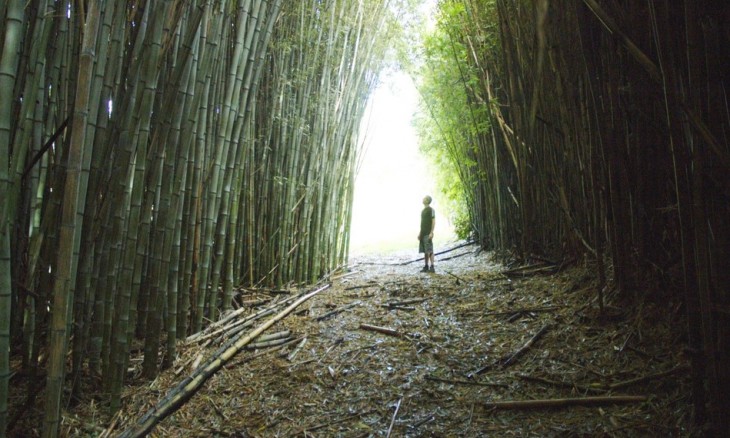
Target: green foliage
454, 116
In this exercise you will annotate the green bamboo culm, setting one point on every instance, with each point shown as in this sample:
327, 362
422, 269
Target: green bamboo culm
184, 157
9, 58
74, 194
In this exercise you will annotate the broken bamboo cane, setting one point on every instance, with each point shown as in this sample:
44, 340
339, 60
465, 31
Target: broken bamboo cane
506, 360
338, 310
439, 253
384, 330
511, 358
563, 402
405, 302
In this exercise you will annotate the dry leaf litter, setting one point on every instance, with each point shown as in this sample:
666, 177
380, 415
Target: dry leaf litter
390, 351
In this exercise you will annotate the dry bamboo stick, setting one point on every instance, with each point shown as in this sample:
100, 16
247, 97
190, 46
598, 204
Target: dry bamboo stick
296, 350
439, 253
348, 274
207, 333
338, 310
458, 279
457, 256
464, 382
422, 421
560, 383
511, 358
531, 270
506, 360
396, 307
563, 402
384, 330
524, 310
266, 344
646, 378
392, 421
361, 286
261, 353
405, 302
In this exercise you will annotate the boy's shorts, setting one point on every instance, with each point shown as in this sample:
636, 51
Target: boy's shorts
425, 245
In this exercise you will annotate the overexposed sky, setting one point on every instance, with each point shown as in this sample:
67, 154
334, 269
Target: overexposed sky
394, 177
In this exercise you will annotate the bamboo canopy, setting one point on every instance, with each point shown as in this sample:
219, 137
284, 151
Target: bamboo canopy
598, 129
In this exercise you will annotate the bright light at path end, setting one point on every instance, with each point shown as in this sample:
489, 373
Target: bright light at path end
394, 177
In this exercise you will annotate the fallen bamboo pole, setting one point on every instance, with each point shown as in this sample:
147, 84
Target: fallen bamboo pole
405, 302
511, 358
267, 344
563, 402
262, 353
216, 328
188, 387
458, 279
524, 310
396, 307
338, 310
646, 378
561, 384
440, 253
443, 259
464, 382
384, 330
508, 359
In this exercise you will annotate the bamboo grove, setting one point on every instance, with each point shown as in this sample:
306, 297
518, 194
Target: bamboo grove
599, 129
155, 156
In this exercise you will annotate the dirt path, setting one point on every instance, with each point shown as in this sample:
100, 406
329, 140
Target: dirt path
347, 381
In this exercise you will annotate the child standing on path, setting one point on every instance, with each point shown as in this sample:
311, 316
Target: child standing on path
425, 236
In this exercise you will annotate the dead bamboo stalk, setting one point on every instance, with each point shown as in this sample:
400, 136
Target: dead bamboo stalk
261, 353
396, 307
458, 279
464, 382
188, 387
392, 421
406, 302
506, 360
384, 330
524, 310
338, 310
563, 402
270, 340
296, 350
439, 253
511, 358
213, 329
646, 378
560, 383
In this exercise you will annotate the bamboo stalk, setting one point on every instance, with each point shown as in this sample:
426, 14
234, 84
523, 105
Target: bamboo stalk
384, 330
566, 402
74, 191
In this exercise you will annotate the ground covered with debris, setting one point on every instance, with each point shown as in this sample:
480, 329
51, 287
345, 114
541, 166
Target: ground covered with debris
473, 349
